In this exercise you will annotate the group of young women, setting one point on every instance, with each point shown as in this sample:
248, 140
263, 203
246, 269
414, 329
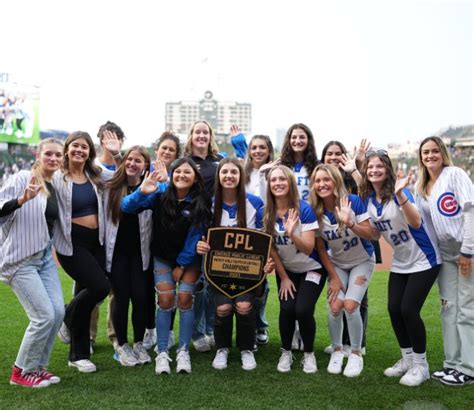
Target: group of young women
108, 226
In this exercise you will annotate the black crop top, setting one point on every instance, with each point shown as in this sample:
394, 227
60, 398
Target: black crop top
84, 200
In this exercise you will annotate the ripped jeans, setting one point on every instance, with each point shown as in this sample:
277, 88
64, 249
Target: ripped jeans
162, 270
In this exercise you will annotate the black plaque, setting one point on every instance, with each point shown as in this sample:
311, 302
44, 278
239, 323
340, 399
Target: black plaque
235, 263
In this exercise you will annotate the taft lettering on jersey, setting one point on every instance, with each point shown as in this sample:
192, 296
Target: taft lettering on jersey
384, 225
334, 235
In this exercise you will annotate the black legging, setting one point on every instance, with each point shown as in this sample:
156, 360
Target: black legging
407, 293
86, 267
129, 282
301, 308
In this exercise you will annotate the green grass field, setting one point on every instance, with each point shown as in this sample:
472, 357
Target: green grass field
114, 386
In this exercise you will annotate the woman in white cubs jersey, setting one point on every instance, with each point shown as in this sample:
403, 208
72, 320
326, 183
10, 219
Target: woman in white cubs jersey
233, 207
345, 229
446, 199
299, 154
300, 278
415, 263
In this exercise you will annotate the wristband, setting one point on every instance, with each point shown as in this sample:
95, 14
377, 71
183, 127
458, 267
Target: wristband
403, 203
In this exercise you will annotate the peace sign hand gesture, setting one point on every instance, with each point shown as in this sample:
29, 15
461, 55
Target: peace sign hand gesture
31, 191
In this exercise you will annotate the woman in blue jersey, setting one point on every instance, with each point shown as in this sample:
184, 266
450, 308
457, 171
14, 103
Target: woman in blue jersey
299, 154
345, 229
415, 263
300, 277
445, 195
180, 216
233, 207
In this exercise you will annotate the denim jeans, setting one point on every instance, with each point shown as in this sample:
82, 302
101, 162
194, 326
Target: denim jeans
203, 311
163, 274
37, 287
259, 305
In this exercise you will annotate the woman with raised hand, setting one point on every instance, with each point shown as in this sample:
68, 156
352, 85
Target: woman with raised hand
79, 236
202, 148
346, 231
181, 214
233, 207
28, 210
300, 277
445, 196
415, 264
127, 252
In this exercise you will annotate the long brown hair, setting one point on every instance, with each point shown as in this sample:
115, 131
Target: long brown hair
212, 148
340, 192
388, 186
241, 197
91, 170
269, 217
424, 176
36, 168
248, 160
118, 185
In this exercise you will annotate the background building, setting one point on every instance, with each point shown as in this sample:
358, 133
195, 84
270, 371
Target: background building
221, 115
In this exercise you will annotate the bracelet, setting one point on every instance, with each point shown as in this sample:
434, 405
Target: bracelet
354, 170
117, 155
353, 224
403, 203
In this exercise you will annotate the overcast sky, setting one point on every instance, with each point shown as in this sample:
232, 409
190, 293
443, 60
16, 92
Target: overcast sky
391, 71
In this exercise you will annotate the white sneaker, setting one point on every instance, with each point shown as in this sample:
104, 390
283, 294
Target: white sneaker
163, 363
127, 356
329, 349
220, 361
141, 354
84, 366
285, 361
64, 334
354, 366
171, 340
248, 360
201, 344
335, 362
297, 342
399, 368
183, 362
211, 341
309, 363
416, 375
149, 339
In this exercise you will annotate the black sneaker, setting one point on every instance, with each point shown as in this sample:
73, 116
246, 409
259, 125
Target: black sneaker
457, 379
262, 337
442, 373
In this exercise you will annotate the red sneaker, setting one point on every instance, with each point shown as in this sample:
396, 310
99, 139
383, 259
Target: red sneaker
44, 374
30, 379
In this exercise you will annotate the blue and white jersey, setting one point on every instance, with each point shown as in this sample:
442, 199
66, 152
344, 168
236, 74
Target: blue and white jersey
302, 180
292, 259
413, 250
254, 212
346, 250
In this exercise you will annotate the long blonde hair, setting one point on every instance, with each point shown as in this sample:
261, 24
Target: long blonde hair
212, 148
424, 176
36, 168
340, 192
269, 217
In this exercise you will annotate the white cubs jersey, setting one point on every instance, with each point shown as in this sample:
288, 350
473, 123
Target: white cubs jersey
254, 211
452, 192
346, 249
292, 259
413, 251
302, 180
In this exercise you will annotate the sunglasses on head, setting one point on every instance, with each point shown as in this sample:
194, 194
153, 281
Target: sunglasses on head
376, 152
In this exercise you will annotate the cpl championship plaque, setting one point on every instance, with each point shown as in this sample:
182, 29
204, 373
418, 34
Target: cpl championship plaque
235, 263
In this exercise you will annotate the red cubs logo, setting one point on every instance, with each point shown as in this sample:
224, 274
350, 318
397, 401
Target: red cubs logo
447, 204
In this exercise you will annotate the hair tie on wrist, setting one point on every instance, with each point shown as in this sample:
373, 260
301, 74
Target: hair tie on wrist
404, 202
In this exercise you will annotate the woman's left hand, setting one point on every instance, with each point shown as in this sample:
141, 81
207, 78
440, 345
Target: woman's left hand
178, 273
344, 211
269, 266
111, 142
465, 265
402, 182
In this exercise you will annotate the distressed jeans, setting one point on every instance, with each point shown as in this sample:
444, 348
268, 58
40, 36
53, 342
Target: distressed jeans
37, 287
457, 311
